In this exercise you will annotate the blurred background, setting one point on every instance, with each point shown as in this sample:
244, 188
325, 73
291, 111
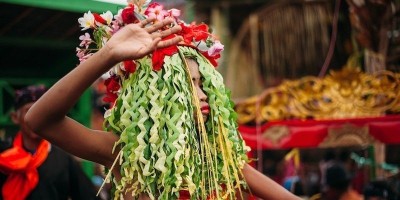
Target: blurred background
313, 81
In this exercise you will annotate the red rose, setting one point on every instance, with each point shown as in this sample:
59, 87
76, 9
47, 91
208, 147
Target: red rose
128, 15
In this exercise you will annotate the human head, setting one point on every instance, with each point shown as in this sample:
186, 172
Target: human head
154, 116
23, 101
157, 102
337, 177
197, 81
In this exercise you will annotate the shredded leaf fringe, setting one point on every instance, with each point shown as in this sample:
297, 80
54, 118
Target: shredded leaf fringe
162, 150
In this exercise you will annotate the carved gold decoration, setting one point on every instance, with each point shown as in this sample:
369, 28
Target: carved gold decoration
276, 133
347, 135
341, 94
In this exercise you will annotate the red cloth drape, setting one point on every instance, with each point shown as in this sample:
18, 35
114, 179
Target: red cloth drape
310, 133
21, 167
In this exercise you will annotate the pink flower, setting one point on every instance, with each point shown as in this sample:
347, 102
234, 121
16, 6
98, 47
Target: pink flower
82, 54
216, 48
85, 40
156, 10
115, 26
174, 12
85, 57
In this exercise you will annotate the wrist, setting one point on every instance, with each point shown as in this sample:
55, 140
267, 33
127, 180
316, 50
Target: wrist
106, 53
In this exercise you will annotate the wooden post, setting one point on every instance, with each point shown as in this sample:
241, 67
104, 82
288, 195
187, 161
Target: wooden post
380, 149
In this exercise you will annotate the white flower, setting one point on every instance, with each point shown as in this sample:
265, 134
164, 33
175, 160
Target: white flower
216, 48
87, 21
201, 45
108, 16
118, 17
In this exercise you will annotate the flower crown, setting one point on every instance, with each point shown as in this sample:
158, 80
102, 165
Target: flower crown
105, 25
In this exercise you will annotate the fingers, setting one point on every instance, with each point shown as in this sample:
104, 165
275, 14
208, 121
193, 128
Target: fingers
158, 25
146, 21
169, 42
167, 32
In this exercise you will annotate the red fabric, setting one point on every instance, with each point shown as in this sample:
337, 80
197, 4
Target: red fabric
159, 54
184, 195
21, 167
310, 133
386, 132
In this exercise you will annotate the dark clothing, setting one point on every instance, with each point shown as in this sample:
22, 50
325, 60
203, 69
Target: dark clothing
60, 178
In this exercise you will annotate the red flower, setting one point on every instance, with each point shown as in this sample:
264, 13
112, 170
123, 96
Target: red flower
128, 15
201, 32
99, 18
110, 98
129, 66
159, 54
112, 84
212, 59
194, 32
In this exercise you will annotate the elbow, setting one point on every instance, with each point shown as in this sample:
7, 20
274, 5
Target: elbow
32, 121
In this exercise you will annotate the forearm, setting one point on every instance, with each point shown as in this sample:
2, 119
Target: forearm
65, 93
264, 187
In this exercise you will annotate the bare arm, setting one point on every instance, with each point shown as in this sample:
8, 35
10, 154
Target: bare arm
264, 187
47, 117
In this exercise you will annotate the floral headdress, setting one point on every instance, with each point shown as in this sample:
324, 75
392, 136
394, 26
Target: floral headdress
104, 25
164, 149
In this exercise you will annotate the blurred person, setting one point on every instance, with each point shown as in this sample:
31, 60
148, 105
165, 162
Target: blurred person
337, 186
171, 132
379, 190
32, 168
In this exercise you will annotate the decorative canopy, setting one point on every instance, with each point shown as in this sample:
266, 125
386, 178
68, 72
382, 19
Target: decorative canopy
348, 93
346, 108
323, 133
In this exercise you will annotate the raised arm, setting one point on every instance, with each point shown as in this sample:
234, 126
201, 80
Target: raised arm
48, 118
264, 187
